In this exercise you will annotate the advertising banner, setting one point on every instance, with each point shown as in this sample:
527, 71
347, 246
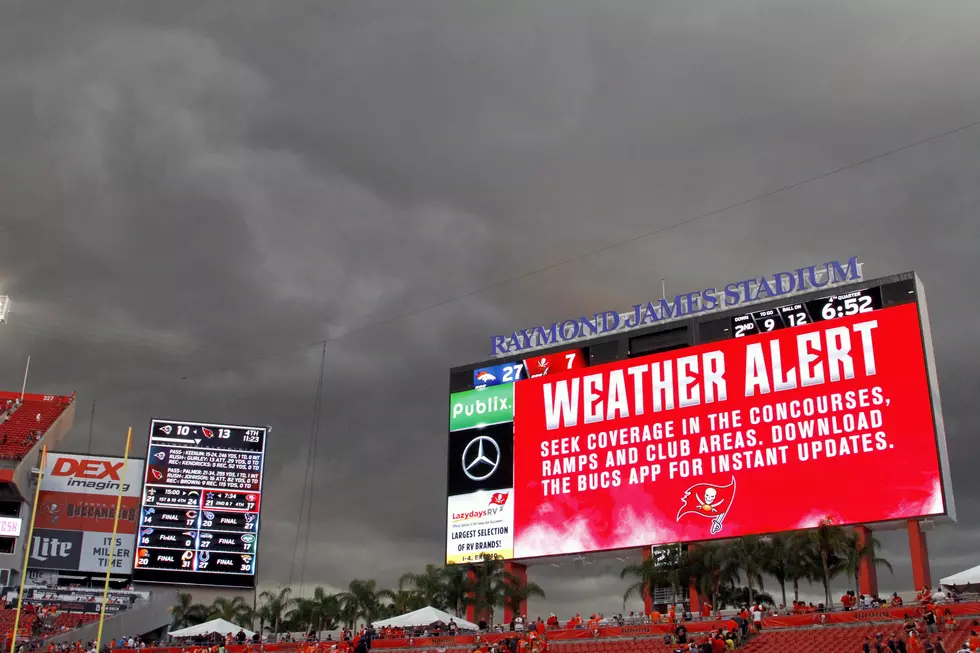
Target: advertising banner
491, 405
87, 474
86, 512
480, 523
711, 441
76, 511
52, 549
480, 480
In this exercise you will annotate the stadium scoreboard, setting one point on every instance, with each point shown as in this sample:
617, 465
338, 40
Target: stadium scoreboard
201, 504
664, 434
806, 312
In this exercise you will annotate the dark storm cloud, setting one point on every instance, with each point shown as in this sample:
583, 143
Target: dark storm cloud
186, 188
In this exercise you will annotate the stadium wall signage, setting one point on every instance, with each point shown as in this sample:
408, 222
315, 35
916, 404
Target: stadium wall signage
737, 293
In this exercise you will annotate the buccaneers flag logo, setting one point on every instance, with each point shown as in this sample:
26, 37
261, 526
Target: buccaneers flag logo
713, 501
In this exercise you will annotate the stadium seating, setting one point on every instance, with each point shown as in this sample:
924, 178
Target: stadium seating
815, 639
71, 620
7, 622
15, 432
645, 645
838, 638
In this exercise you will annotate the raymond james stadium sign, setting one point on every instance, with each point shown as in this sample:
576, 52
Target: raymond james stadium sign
737, 293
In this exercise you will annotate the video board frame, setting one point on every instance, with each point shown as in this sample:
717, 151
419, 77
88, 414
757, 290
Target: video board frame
226, 502
708, 328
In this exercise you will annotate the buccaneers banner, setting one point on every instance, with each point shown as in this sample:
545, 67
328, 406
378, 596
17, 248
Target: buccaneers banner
649, 630
683, 446
234, 648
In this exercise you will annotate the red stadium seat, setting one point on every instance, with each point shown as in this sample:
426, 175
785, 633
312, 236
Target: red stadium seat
15, 432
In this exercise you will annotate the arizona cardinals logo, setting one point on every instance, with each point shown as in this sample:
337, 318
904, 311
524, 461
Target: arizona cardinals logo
712, 501
208, 433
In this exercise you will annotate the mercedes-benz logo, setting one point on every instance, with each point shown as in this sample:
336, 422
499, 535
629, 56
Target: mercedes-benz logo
481, 458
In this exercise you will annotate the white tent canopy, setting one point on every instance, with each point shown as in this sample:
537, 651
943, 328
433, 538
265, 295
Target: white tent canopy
968, 577
424, 617
219, 626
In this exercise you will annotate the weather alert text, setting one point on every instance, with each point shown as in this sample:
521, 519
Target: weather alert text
749, 435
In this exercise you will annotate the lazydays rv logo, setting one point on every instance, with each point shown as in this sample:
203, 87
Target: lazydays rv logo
498, 499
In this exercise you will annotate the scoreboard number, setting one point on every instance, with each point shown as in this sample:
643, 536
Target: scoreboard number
815, 310
796, 319
512, 373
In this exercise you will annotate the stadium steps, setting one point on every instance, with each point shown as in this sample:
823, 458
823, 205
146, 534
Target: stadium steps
146, 616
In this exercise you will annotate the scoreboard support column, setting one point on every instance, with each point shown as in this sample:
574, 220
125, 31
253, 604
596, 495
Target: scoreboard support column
648, 591
694, 599
518, 575
921, 572
868, 573
471, 614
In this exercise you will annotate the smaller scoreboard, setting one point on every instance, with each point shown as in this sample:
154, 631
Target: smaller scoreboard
202, 497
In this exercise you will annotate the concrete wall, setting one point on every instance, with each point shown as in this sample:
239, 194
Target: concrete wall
144, 617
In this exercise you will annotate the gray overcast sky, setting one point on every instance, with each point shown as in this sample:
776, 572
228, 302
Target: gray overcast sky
185, 186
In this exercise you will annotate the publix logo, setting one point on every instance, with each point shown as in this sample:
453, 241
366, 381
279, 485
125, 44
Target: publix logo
491, 405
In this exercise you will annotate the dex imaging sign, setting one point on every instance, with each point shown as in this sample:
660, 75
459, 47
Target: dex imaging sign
77, 511
85, 474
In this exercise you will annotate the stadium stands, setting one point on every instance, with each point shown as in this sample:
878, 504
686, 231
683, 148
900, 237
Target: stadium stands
840, 638
25, 628
70, 620
22, 423
646, 645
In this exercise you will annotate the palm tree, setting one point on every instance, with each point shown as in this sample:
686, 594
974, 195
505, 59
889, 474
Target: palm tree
456, 586
235, 610
430, 585
517, 591
824, 545
361, 601
734, 596
857, 551
326, 608
750, 553
487, 588
275, 606
650, 573
300, 617
187, 613
715, 565
783, 560
316, 613
401, 601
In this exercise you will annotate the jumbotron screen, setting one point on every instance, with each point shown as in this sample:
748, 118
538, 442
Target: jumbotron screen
201, 505
762, 432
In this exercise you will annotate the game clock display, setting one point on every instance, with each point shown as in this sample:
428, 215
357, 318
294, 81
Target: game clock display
199, 518
808, 312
